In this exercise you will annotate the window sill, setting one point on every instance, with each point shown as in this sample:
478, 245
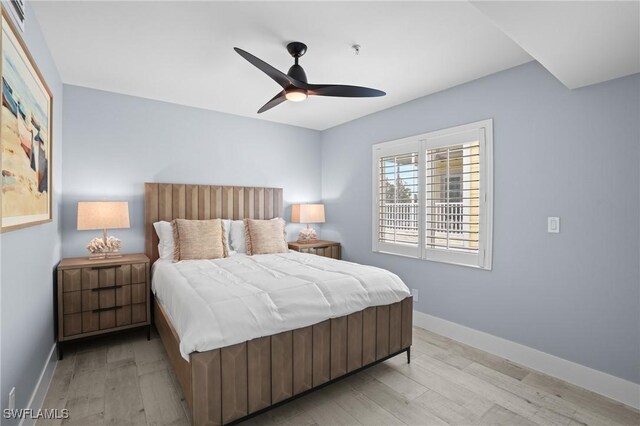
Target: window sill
448, 262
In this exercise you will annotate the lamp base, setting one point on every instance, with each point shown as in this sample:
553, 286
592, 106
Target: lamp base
105, 255
104, 248
307, 235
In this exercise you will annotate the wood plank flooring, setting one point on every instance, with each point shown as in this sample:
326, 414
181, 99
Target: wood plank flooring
127, 380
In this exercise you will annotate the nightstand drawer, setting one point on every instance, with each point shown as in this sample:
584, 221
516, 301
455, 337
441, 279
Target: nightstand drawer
123, 316
330, 249
71, 280
138, 273
123, 295
123, 275
107, 298
89, 278
97, 296
106, 277
138, 313
90, 321
72, 324
72, 302
106, 318
138, 293
90, 300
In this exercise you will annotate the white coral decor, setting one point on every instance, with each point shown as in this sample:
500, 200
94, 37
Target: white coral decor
99, 245
307, 235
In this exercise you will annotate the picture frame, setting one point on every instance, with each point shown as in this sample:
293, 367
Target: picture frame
17, 12
26, 130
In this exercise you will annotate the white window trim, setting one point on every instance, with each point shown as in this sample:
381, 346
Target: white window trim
420, 143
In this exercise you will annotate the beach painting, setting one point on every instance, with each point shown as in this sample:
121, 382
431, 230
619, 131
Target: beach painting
25, 136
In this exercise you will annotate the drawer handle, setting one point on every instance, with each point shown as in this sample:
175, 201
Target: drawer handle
111, 287
97, 268
113, 308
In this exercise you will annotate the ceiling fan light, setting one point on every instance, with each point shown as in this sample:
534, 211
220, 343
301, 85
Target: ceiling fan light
296, 95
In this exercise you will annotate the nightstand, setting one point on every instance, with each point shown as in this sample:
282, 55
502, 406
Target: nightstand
321, 248
100, 296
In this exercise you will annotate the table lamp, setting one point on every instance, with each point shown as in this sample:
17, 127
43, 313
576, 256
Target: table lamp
103, 215
307, 213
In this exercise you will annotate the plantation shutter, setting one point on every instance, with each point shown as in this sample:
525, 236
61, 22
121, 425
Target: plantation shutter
399, 199
453, 197
397, 218
454, 204
432, 195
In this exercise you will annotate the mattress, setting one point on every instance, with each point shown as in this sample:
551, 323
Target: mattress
221, 302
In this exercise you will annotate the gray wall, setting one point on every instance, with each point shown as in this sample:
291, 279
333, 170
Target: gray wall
114, 143
27, 263
557, 152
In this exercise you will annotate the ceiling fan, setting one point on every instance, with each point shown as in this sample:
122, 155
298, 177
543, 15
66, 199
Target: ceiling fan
294, 83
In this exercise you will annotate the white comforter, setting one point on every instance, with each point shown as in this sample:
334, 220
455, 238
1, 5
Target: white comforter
217, 303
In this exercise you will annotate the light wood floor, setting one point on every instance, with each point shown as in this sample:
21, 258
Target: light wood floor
127, 380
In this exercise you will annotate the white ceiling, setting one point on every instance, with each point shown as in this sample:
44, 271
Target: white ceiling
580, 42
182, 52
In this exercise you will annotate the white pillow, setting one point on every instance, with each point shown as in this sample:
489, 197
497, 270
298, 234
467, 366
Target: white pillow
164, 230
165, 234
226, 224
237, 236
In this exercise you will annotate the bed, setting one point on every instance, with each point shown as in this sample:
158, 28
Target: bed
341, 327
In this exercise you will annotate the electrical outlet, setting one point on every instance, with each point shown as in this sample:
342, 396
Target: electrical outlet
416, 294
12, 399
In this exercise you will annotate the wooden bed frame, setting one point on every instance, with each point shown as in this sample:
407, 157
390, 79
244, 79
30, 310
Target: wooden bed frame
231, 384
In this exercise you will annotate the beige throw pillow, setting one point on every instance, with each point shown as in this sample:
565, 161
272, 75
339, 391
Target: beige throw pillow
198, 239
265, 236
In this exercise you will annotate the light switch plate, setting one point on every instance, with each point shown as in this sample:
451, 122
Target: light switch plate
553, 225
416, 294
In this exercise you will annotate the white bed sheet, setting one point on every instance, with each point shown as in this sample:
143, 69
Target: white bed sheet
218, 303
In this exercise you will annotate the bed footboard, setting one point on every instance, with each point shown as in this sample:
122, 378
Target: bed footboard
246, 379
171, 343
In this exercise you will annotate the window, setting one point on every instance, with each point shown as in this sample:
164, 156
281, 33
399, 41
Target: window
399, 198
433, 195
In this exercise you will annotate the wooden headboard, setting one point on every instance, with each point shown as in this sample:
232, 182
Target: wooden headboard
168, 201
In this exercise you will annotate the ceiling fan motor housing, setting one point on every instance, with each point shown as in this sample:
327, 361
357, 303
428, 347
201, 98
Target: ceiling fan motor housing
297, 72
297, 49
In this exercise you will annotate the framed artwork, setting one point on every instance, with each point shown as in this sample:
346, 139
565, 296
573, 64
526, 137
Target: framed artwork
25, 135
17, 11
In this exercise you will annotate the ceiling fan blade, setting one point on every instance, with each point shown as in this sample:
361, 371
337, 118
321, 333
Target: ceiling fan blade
275, 101
343, 91
279, 77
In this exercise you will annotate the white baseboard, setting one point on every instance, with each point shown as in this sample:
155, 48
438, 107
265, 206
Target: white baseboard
596, 381
40, 392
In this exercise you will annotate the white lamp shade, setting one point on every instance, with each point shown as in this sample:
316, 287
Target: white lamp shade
103, 215
307, 213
